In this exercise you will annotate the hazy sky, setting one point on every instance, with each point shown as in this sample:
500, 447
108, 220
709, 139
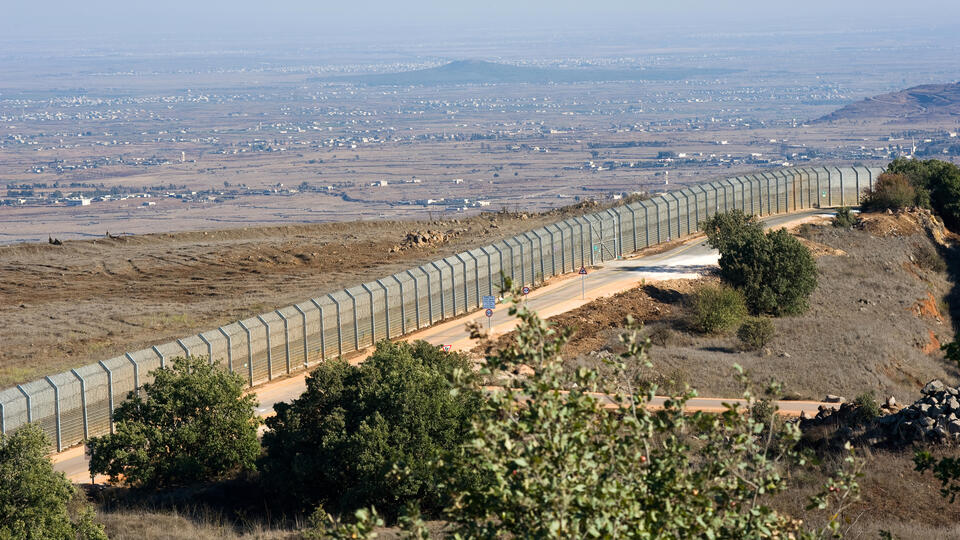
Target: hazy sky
389, 19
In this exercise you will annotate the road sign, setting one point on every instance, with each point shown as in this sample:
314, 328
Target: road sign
583, 275
525, 290
583, 271
489, 313
488, 302
446, 348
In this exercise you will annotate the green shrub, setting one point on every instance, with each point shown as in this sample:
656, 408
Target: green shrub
937, 184
891, 191
368, 434
36, 501
927, 257
717, 309
193, 423
755, 333
866, 407
845, 218
774, 271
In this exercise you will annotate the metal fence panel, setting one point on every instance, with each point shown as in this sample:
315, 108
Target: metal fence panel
259, 352
96, 391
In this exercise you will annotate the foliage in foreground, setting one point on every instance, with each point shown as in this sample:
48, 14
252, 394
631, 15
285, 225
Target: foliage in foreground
194, 424
369, 434
36, 501
562, 461
773, 270
717, 309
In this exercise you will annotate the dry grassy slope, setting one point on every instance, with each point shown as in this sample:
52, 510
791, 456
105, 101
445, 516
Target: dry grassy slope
875, 323
64, 306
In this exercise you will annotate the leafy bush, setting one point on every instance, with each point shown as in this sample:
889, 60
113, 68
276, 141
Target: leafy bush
866, 407
755, 333
845, 218
774, 271
937, 184
368, 434
717, 309
729, 228
892, 191
927, 257
194, 424
36, 501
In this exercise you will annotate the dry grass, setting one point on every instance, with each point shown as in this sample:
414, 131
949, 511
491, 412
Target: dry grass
147, 525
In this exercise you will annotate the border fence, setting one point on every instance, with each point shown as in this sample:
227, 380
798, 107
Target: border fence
77, 404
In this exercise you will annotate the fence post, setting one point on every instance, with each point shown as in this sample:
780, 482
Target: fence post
573, 248
443, 307
430, 297
356, 321
306, 351
109, 392
56, 412
502, 272
373, 323
229, 348
403, 308
386, 305
29, 403
163, 361
453, 285
3, 421
476, 275
553, 253
249, 351
209, 347
286, 337
269, 347
339, 326
136, 373
416, 296
186, 351
83, 403
489, 270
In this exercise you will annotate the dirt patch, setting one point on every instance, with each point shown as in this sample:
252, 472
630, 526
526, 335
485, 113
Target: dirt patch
820, 250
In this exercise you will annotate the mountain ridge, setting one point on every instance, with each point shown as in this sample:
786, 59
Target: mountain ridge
924, 102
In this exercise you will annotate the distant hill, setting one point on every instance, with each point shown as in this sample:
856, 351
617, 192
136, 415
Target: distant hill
926, 102
482, 72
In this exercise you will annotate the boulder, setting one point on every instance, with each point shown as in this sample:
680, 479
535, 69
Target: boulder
830, 398
932, 387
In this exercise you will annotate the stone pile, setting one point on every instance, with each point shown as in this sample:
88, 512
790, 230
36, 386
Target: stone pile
933, 418
423, 239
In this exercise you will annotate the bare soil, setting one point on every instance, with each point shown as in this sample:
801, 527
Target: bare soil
89, 300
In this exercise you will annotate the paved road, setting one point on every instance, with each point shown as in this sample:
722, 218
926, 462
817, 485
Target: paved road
558, 295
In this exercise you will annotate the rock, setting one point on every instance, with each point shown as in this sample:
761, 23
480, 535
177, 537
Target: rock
830, 398
953, 391
932, 387
927, 422
954, 427
924, 408
525, 371
889, 212
784, 354
891, 402
953, 404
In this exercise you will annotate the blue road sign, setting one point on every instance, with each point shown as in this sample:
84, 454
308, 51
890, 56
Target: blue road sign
488, 302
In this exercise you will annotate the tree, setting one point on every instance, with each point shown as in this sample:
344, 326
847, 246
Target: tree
37, 502
590, 460
937, 184
890, 191
717, 308
195, 424
367, 435
774, 271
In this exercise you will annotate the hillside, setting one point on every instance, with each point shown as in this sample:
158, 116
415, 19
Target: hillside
926, 102
482, 72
